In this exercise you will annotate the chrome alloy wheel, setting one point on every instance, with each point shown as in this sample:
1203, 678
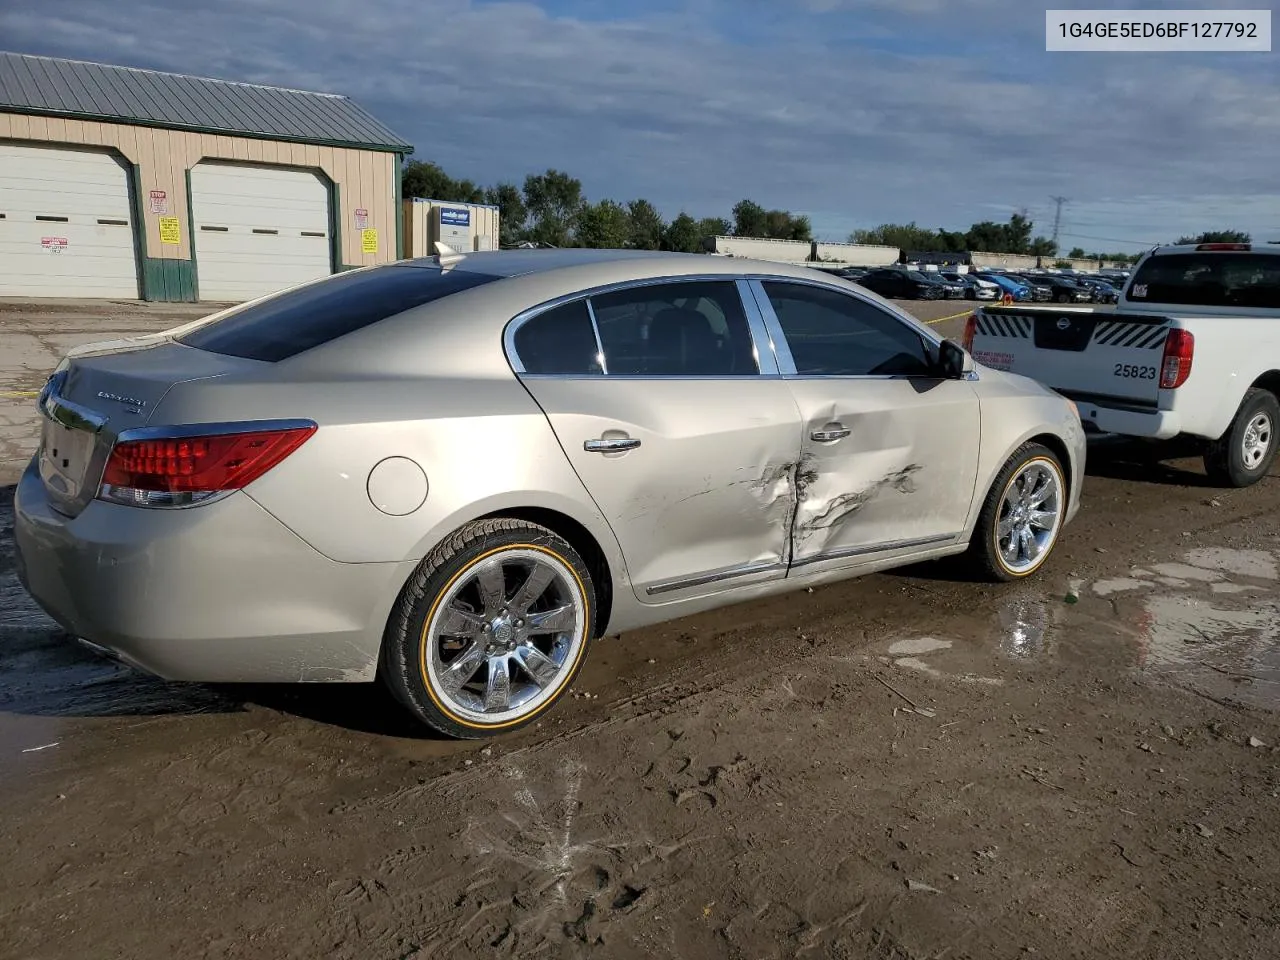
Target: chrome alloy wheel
1030, 516
1256, 441
506, 635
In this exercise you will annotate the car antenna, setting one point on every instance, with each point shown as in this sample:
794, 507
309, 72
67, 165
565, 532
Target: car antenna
446, 256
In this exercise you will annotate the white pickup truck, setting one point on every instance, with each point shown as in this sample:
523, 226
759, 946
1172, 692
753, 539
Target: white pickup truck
1192, 349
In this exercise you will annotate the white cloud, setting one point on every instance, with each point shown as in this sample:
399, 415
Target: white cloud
876, 110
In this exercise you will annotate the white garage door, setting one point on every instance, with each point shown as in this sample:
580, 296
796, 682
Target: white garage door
257, 229
66, 226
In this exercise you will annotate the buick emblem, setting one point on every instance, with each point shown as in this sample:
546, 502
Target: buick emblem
1064, 323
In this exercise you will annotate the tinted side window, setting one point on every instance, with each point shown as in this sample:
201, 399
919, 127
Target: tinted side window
297, 320
832, 334
1209, 280
559, 341
690, 329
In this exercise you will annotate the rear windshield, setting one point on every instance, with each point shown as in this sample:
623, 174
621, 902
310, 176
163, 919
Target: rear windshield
292, 322
1209, 280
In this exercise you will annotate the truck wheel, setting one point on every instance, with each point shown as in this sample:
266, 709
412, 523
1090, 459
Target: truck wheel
1243, 455
490, 630
1021, 518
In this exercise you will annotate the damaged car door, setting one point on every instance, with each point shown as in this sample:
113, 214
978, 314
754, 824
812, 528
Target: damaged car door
890, 446
678, 426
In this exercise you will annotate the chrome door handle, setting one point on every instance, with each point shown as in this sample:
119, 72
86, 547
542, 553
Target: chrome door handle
830, 434
610, 445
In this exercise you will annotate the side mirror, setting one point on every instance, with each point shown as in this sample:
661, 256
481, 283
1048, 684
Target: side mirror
953, 362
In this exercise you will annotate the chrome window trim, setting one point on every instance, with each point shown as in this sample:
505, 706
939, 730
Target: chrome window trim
736, 279
786, 362
595, 330
191, 430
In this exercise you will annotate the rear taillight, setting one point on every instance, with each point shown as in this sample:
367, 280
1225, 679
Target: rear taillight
970, 331
182, 469
1224, 246
1179, 347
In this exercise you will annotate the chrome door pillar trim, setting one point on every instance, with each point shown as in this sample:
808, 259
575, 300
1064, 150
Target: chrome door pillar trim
763, 344
777, 339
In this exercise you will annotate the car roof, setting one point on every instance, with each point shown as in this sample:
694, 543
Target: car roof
520, 263
467, 326
1272, 248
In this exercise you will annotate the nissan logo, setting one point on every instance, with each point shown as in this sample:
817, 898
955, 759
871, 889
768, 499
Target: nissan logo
1064, 323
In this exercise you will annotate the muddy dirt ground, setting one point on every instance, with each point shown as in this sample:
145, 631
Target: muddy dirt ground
903, 767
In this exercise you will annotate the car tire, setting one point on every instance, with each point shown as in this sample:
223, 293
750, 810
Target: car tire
1008, 510
1062, 298
1244, 454
473, 630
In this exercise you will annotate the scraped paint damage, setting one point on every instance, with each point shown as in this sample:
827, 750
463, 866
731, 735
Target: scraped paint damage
840, 508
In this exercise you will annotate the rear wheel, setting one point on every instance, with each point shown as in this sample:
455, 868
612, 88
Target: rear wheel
1021, 518
490, 630
1062, 298
1244, 454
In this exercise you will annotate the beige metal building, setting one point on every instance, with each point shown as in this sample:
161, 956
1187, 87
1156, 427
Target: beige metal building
463, 227
127, 183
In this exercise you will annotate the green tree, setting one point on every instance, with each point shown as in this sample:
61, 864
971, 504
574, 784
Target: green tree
645, 225
750, 219
784, 225
713, 227
905, 236
1077, 253
682, 235
512, 213
1219, 236
604, 225
1039, 247
554, 200
422, 178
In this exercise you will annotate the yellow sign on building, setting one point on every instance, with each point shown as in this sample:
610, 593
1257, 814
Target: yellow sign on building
369, 240
170, 230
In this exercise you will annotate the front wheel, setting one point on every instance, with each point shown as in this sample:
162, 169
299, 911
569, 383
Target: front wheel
1022, 516
490, 630
1062, 298
1244, 454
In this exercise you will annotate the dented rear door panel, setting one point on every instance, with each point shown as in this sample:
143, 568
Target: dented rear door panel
704, 502
901, 480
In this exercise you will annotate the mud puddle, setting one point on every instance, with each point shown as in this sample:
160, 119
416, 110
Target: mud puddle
1208, 622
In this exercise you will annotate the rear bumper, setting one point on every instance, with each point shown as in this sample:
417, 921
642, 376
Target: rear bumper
1155, 424
218, 593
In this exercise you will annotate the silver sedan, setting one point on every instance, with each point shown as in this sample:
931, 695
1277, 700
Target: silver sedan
451, 474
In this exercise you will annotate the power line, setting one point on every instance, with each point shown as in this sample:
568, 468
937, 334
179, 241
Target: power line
1141, 243
1057, 215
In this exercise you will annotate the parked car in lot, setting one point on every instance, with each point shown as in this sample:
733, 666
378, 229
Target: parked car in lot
1099, 290
952, 289
1019, 289
1059, 288
1191, 350
452, 474
853, 273
902, 285
974, 287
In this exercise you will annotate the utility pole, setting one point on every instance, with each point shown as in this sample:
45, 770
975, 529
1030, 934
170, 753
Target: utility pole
1057, 216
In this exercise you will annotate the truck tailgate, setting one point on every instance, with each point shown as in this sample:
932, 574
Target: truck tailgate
1083, 355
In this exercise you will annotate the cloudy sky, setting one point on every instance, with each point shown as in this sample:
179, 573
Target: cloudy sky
855, 112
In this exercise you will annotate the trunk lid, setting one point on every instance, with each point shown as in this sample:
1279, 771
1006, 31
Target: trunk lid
1108, 358
98, 392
